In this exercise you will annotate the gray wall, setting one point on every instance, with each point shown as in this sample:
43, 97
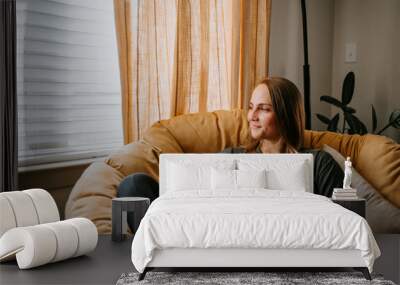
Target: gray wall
374, 26
286, 47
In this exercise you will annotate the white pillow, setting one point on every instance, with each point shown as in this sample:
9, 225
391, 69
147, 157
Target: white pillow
223, 179
190, 176
183, 178
251, 178
228, 179
292, 179
281, 174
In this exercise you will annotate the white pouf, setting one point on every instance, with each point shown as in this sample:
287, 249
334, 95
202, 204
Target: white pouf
22, 207
26, 208
40, 244
31, 231
6, 216
46, 207
87, 234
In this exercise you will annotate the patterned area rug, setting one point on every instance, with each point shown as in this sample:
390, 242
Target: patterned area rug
228, 278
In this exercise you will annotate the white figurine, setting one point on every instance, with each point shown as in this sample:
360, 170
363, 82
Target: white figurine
347, 174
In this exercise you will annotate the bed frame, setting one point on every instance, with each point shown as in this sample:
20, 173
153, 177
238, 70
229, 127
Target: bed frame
240, 259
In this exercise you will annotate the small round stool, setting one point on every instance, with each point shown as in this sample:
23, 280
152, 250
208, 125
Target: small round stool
120, 207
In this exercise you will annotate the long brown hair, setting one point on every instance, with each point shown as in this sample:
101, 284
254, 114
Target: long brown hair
289, 111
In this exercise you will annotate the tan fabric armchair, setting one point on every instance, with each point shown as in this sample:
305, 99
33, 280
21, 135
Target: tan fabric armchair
377, 158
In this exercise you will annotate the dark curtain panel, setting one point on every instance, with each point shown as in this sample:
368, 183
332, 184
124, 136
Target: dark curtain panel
8, 97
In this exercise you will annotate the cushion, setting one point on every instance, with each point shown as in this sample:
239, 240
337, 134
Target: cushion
251, 178
293, 179
181, 177
211, 132
383, 174
223, 179
184, 175
288, 175
179, 172
382, 216
237, 179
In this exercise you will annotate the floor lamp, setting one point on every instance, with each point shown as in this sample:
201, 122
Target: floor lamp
306, 68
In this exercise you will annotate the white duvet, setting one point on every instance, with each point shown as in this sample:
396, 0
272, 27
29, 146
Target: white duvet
250, 218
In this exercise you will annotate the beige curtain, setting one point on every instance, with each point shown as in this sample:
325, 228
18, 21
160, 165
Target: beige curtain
183, 56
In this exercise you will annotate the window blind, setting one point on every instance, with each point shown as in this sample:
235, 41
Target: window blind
69, 103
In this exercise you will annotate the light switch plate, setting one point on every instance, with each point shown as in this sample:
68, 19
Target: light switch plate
350, 52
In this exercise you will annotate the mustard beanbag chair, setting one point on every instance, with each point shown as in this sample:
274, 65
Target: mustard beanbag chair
376, 158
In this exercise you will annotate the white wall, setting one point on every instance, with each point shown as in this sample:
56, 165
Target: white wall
374, 26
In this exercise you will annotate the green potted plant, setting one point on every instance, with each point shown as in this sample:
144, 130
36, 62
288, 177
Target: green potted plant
351, 124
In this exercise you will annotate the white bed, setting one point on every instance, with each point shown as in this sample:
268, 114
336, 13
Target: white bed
201, 219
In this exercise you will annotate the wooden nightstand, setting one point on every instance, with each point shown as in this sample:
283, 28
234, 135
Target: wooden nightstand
357, 205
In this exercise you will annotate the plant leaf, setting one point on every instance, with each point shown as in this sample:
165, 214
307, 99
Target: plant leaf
348, 88
349, 109
374, 119
332, 127
354, 128
361, 126
394, 121
395, 118
324, 119
332, 101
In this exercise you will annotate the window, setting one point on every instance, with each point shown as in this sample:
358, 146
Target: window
69, 103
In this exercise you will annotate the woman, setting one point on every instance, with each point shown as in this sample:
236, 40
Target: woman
276, 122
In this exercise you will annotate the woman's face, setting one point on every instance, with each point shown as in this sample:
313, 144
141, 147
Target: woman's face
261, 116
